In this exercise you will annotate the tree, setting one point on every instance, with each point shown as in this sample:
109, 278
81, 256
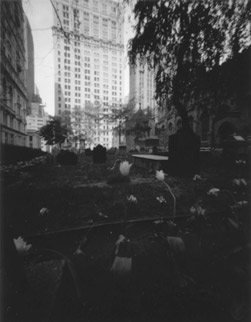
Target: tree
78, 124
54, 132
184, 39
138, 124
119, 116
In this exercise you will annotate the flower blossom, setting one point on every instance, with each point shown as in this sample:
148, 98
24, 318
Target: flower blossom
122, 264
124, 168
197, 177
161, 199
132, 199
240, 204
239, 182
193, 210
240, 162
197, 210
21, 246
160, 175
43, 211
214, 192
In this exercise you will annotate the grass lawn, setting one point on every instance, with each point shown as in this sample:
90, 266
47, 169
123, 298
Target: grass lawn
86, 206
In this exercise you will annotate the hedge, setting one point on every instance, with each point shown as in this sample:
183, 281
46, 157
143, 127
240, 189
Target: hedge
11, 154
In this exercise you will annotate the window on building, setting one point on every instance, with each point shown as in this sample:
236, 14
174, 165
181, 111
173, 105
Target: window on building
104, 7
95, 5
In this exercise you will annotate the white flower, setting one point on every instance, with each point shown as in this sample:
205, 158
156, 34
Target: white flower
240, 162
124, 168
132, 199
244, 182
197, 177
160, 175
122, 264
21, 246
239, 182
197, 210
214, 192
236, 182
102, 215
161, 199
240, 204
43, 211
120, 240
201, 211
193, 210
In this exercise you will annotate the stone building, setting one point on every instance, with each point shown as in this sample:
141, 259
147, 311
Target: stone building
221, 110
13, 92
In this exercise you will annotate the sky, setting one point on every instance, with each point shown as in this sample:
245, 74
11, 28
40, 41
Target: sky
40, 16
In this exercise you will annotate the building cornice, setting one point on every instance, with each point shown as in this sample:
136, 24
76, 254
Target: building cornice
85, 39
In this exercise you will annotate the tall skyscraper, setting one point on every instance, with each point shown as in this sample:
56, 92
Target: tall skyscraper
89, 71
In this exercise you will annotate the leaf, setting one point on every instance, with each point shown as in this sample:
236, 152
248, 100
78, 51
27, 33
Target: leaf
183, 40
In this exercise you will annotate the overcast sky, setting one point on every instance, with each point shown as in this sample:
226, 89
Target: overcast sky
40, 16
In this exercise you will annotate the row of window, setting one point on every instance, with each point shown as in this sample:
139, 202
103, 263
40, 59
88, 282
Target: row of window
96, 5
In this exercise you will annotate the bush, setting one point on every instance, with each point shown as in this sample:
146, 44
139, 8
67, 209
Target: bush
116, 179
112, 151
88, 152
66, 157
133, 151
11, 154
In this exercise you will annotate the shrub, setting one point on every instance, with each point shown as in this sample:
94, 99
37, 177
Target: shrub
66, 157
88, 152
11, 154
115, 179
112, 151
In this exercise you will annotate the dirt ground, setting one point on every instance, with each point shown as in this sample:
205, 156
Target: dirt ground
86, 210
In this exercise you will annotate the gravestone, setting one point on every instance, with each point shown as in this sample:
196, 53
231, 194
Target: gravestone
99, 154
122, 150
184, 153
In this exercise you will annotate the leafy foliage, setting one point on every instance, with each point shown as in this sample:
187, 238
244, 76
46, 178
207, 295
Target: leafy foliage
54, 132
183, 40
138, 123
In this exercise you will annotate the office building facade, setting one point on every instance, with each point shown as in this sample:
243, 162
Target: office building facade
89, 70
13, 95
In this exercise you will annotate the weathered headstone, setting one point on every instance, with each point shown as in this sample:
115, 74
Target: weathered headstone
122, 150
184, 153
99, 154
